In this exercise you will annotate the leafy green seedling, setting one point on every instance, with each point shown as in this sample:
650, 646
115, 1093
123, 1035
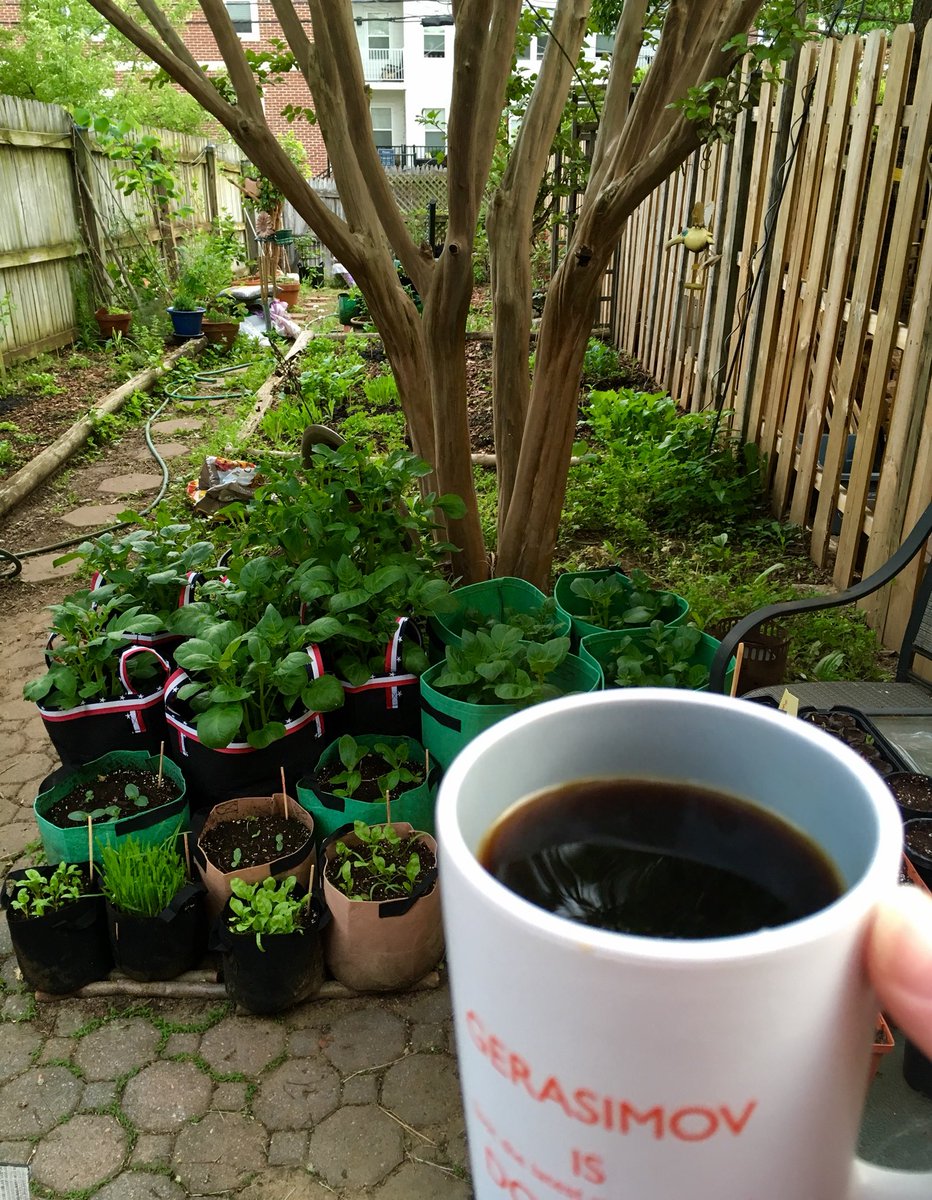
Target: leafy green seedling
499, 667
267, 907
132, 792
37, 894
665, 658
237, 857
377, 863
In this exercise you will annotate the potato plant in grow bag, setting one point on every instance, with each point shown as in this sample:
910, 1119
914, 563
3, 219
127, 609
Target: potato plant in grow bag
662, 657
499, 667
245, 682
615, 602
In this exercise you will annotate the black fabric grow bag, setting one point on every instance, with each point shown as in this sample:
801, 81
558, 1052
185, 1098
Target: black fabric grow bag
288, 970
384, 704
161, 947
63, 950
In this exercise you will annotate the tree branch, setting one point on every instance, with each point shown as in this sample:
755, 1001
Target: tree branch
166, 31
629, 36
231, 51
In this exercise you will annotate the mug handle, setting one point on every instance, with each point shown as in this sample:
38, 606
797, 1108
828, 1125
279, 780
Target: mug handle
880, 1183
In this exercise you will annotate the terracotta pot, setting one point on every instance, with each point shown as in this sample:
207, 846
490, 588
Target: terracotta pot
110, 323
298, 863
382, 946
883, 1044
288, 292
220, 332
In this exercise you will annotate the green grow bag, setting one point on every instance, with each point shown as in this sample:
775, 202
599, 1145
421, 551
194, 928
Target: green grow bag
332, 812
347, 308
149, 826
447, 725
493, 598
598, 650
572, 605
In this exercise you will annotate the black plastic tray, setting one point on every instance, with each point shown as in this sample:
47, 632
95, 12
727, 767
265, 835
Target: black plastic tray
894, 762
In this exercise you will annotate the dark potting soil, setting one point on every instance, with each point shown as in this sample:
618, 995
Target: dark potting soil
249, 841
919, 841
370, 767
365, 887
850, 732
913, 791
110, 792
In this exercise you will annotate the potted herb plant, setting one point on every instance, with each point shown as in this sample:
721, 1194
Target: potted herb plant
380, 885
659, 656
269, 939
355, 776
155, 912
204, 269
287, 289
501, 601
57, 927
118, 794
98, 695
252, 838
491, 675
608, 600
246, 701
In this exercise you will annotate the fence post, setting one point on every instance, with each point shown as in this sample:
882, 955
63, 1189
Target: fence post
163, 223
210, 165
83, 172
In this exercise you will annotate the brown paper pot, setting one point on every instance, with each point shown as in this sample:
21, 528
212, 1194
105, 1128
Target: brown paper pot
386, 946
298, 863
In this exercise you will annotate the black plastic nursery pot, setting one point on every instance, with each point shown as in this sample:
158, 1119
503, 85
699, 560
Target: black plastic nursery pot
288, 969
62, 951
918, 838
917, 1069
912, 793
164, 946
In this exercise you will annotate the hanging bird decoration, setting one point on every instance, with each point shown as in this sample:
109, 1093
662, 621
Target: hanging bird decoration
697, 236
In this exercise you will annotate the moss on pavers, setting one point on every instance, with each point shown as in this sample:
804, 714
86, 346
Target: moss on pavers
242, 1045
122, 1045
80, 1153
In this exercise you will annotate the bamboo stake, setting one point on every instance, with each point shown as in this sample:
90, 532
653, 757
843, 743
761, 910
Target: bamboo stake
187, 852
284, 796
388, 808
161, 762
90, 847
739, 659
426, 763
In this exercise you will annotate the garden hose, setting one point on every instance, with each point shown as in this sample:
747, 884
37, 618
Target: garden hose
11, 562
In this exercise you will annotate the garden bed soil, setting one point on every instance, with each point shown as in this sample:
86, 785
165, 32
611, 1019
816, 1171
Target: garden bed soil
847, 728
110, 790
370, 767
39, 418
260, 839
398, 855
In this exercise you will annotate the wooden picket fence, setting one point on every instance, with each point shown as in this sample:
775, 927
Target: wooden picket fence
809, 322
61, 210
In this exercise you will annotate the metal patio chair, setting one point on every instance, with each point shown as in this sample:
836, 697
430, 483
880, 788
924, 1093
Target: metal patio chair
907, 693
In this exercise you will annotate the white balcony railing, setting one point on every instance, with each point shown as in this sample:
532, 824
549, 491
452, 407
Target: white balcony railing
383, 66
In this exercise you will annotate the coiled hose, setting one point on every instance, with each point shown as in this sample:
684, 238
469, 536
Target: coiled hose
11, 563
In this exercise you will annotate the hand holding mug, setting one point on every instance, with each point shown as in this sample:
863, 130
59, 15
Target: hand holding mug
899, 961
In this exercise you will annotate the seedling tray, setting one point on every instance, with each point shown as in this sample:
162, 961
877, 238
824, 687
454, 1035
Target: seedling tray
885, 759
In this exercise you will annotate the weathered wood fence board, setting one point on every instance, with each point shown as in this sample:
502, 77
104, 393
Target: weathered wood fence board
43, 233
813, 330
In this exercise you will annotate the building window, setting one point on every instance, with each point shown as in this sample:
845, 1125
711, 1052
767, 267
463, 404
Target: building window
435, 43
245, 17
542, 39
435, 129
604, 44
378, 34
382, 124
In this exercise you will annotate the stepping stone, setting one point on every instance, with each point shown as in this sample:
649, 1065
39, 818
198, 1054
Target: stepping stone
125, 485
166, 449
90, 515
178, 425
38, 569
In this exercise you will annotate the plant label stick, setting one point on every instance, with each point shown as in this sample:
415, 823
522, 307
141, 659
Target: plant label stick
388, 808
187, 852
739, 659
284, 796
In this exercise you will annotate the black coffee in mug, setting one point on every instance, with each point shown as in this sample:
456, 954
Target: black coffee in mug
657, 859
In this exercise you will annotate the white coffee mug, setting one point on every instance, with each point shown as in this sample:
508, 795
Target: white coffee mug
601, 1066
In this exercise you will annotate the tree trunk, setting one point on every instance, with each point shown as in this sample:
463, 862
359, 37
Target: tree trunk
529, 531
